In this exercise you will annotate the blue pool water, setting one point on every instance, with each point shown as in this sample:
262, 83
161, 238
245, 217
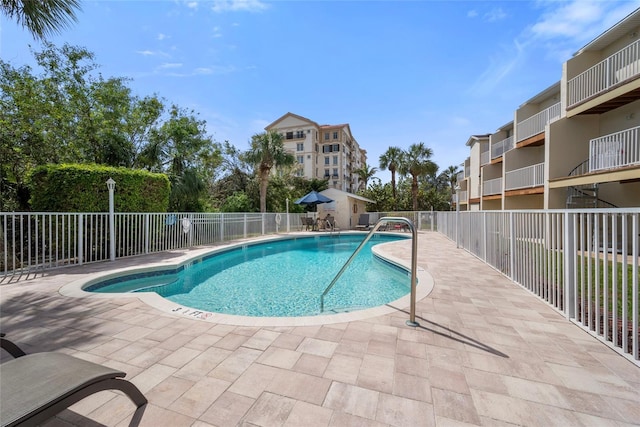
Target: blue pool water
280, 278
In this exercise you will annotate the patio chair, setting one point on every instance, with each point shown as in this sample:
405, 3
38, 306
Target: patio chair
36, 387
363, 222
330, 223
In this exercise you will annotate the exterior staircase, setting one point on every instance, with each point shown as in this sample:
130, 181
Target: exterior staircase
585, 196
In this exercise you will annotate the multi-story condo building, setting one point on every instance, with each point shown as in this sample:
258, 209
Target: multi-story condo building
323, 151
576, 144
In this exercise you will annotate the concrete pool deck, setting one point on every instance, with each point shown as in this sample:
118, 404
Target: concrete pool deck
487, 352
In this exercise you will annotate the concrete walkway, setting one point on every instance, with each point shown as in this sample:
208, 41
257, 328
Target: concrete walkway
487, 352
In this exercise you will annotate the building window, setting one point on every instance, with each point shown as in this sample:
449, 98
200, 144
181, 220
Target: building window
300, 134
317, 148
335, 135
335, 160
326, 160
300, 159
326, 136
335, 172
299, 147
336, 147
289, 135
326, 173
327, 148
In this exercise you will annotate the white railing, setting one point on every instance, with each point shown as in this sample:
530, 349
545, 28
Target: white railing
615, 150
583, 263
467, 171
492, 186
527, 177
463, 196
36, 241
485, 157
460, 176
501, 147
535, 124
617, 68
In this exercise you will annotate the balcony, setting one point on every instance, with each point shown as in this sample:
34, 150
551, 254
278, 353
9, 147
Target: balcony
536, 123
463, 196
485, 157
501, 147
612, 71
460, 176
527, 177
492, 186
614, 151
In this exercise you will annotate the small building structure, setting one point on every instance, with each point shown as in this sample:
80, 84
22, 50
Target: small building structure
345, 208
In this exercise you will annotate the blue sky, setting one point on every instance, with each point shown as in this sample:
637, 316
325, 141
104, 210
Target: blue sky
399, 72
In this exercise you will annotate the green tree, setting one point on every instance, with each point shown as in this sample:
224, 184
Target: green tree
182, 149
41, 17
266, 152
391, 159
365, 173
417, 163
450, 176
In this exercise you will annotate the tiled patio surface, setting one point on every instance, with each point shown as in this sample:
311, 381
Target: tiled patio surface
487, 352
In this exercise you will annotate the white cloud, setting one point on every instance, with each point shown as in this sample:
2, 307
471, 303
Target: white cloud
148, 52
161, 36
495, 15
170, 65
238, 6
472, 14
192, 5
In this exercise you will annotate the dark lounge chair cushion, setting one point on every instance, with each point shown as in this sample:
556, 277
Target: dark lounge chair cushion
36, 387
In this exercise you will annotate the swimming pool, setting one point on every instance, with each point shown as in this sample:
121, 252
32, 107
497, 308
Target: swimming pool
277, 278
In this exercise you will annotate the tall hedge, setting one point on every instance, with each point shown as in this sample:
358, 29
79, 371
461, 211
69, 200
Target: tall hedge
83, 188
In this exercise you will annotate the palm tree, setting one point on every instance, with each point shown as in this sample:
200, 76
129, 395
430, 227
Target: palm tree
391, 159
450, 175
365, 173
267, 151
41, 17
416, 162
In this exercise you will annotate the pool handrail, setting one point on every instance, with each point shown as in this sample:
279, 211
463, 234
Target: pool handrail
414, 262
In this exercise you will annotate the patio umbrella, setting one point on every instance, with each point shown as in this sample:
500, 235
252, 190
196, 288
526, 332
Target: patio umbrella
313, 199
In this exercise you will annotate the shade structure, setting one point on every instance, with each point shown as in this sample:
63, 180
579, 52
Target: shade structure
313, 199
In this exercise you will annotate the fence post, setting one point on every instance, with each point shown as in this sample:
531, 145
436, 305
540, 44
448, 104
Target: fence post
147, 232
569, 265
80, 239
222, 227
263, 222
111, 185
512, 247
244, 225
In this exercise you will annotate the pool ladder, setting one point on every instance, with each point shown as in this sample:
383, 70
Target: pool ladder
414, 262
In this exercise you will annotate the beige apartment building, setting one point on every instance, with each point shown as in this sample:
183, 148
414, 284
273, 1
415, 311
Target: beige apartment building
576, 144
322, 151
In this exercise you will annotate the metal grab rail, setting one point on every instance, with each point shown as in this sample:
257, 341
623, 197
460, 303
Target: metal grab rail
414, 263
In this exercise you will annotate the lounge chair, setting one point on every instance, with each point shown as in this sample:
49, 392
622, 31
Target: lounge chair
35, 387
363, 222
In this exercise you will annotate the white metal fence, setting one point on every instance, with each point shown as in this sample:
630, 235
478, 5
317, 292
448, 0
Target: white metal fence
617, 68
535, 124
527, 177
583, 263
36, 241
615, 150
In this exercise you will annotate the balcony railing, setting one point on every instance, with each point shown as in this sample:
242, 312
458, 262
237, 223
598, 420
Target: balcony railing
615, 150
460, 176
492, 186
485, 157
615, 69
501, 147
463, 196
536, 123
527, 177
467, 171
